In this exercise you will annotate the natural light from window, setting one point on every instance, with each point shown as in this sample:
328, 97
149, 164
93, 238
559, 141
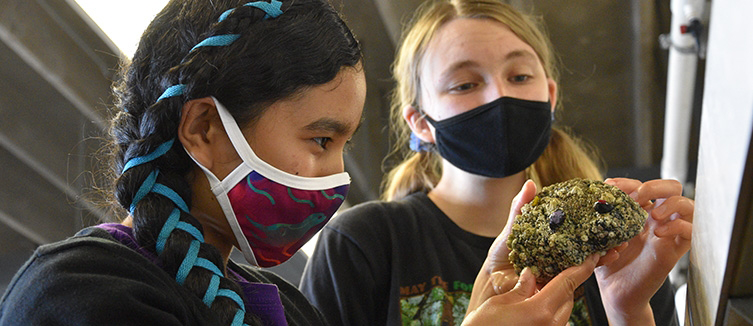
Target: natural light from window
122, 21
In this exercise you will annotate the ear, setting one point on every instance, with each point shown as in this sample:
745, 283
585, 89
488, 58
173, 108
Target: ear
201, 131
417, 123
552, 92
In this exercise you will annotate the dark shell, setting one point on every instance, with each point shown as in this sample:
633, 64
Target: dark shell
602, 207
556, 219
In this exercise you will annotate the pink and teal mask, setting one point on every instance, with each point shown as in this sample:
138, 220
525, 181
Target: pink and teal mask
272, 213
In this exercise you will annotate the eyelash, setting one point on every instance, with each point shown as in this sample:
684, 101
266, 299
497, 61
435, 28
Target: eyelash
323, 141
461, 88
468, 86
515, 78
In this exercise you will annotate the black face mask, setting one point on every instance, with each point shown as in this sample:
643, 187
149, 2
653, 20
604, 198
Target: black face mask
497, 139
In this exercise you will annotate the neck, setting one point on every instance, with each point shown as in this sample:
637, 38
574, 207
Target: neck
212, 235
476, 204
206, 209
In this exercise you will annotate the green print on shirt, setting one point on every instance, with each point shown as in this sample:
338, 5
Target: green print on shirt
435, 305
579, 316
440, 307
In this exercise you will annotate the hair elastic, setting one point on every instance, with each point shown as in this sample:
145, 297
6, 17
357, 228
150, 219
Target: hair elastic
418, 145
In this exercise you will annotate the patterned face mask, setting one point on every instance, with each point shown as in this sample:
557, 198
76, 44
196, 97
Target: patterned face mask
271, 212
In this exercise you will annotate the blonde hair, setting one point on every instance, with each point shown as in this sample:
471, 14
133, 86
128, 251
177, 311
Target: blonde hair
566, 157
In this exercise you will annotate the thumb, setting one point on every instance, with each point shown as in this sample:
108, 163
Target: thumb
524, 289
526, 194
562, 286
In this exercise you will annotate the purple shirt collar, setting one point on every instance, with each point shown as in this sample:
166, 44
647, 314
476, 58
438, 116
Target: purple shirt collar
261, 299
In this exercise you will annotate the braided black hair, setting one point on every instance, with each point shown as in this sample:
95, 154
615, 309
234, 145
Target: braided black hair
271, 57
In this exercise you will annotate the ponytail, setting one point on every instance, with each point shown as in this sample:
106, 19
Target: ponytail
420, 171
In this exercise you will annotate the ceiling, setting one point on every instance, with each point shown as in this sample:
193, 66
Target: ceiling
56, 67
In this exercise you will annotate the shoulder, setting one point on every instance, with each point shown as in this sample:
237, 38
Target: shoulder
90, 278
90, 250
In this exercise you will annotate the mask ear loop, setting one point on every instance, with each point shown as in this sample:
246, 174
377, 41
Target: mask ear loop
219, 191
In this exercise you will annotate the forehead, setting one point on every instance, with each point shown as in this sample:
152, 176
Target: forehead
479, 40
338, 101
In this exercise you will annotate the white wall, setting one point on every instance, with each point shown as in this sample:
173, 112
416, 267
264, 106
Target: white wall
725, 134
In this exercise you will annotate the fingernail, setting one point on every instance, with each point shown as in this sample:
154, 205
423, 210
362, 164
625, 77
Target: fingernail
610, 181
634, 195
595, 258
659, 210
661, 230
497, 279
523, 277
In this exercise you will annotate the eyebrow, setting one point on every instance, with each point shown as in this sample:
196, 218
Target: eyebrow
332, 125
523, 54
455, 67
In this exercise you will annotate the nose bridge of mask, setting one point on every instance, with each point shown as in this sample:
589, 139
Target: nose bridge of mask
253, 162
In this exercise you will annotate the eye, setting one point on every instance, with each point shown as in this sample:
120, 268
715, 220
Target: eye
463, 87
520, 78
322, 141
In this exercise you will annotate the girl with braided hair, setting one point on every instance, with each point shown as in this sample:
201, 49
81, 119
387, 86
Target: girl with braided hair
229, 131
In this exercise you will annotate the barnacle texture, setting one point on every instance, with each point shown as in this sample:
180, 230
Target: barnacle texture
568, 221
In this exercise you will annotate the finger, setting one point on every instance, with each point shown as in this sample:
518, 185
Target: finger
679, 227
675, 204
562, 316
609, 257
526, 194
625, 184
656, 189
622, 246
524, 289
504, 281
497, 254
562, 286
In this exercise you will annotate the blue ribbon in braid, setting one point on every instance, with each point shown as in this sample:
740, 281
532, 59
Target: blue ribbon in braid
150, 185
219, 40
272, 9
188, 261
161, 150
211, 293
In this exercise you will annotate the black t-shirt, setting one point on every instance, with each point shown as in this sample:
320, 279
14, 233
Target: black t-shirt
402, 262
92, 279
